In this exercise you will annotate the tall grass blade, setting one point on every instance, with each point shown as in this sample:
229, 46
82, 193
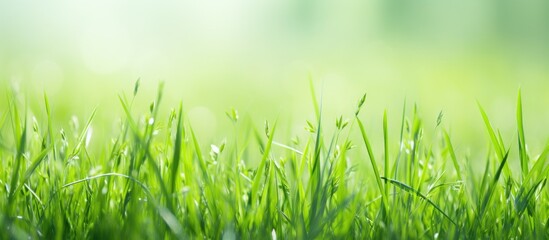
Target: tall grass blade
50, 127
18, 161
492, 187
386, 149
83, 134
261, 168
201, 161
21, 148
495, 142
521, 139
372, 160
177, 150
452, 154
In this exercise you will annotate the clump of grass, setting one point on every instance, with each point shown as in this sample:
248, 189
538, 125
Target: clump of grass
155, 180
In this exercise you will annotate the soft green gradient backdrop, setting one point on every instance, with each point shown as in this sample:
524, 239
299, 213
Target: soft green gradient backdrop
256, 56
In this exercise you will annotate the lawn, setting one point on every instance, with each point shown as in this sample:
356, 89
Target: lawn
274, 119
148, 175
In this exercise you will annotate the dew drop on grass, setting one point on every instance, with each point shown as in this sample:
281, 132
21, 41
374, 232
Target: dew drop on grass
215, 149
88, 136
273, 234
402, 146
94, 171
74, 123
73, 159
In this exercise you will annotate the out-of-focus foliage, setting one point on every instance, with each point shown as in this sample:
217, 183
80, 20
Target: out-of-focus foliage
256, 55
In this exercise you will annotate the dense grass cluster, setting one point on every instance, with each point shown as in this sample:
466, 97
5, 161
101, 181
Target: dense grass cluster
153, 179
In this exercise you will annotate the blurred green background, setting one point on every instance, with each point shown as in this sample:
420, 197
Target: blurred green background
256, 56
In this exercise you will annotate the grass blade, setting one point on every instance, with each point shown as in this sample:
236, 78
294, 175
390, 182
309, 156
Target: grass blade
409, 189
386, 149
177, 150
491, 188
21, 148
38, 159
83, 134
372, 160
495, 142
261, 168
201, 161
50, 123
18, 159
521, 139
452, 154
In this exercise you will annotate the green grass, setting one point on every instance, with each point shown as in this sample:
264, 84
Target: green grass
153, 178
